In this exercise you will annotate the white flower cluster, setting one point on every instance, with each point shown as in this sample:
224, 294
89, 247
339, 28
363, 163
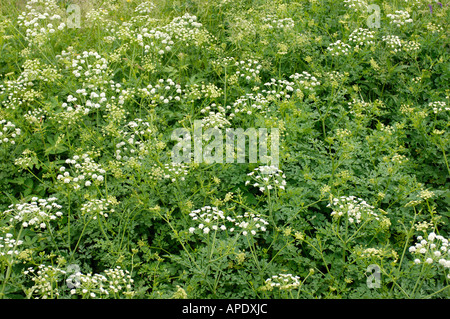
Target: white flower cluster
267, 178
97, 16
393, 42
212, 107
89, 66
305, 80
438, 106
208, 218
133, 144
335, 76
273, 22
278, 89
215, 120
95, 99
96, 207
88, 285
371, 252
248, 104
434, 28
248, 69
37, 213
172, 171
175, 171
11, 89
8, 245
33, 70
93, 72
139, 127
71, 115
45, 280
212, 219
399, 18
195, 91
113, 283
27, 160
42, 18
415, 3
145, 7
433, 249
8, 132
154, 41
355, 209
165, 91
357, 105
283, 281
411, 46
356, 5
339, 48
119, 280
343, 133
396, 44
35, 116
423, 226
188, 31
399, 159
18, 92
362, 37
211, 90
223, 62
84, 172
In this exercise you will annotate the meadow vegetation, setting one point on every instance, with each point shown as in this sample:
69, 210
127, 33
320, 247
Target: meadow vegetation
92, 205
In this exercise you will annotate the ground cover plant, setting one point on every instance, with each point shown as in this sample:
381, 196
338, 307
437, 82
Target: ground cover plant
92, 204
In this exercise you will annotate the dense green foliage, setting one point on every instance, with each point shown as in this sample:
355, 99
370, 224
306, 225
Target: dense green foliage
92, 206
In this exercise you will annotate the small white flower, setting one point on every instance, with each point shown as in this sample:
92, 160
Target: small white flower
431, 236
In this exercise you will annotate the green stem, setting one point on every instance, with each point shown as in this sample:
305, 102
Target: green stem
101, 227
10, 264
253, 254
436, 292
79, 240
418, 278
445, 156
